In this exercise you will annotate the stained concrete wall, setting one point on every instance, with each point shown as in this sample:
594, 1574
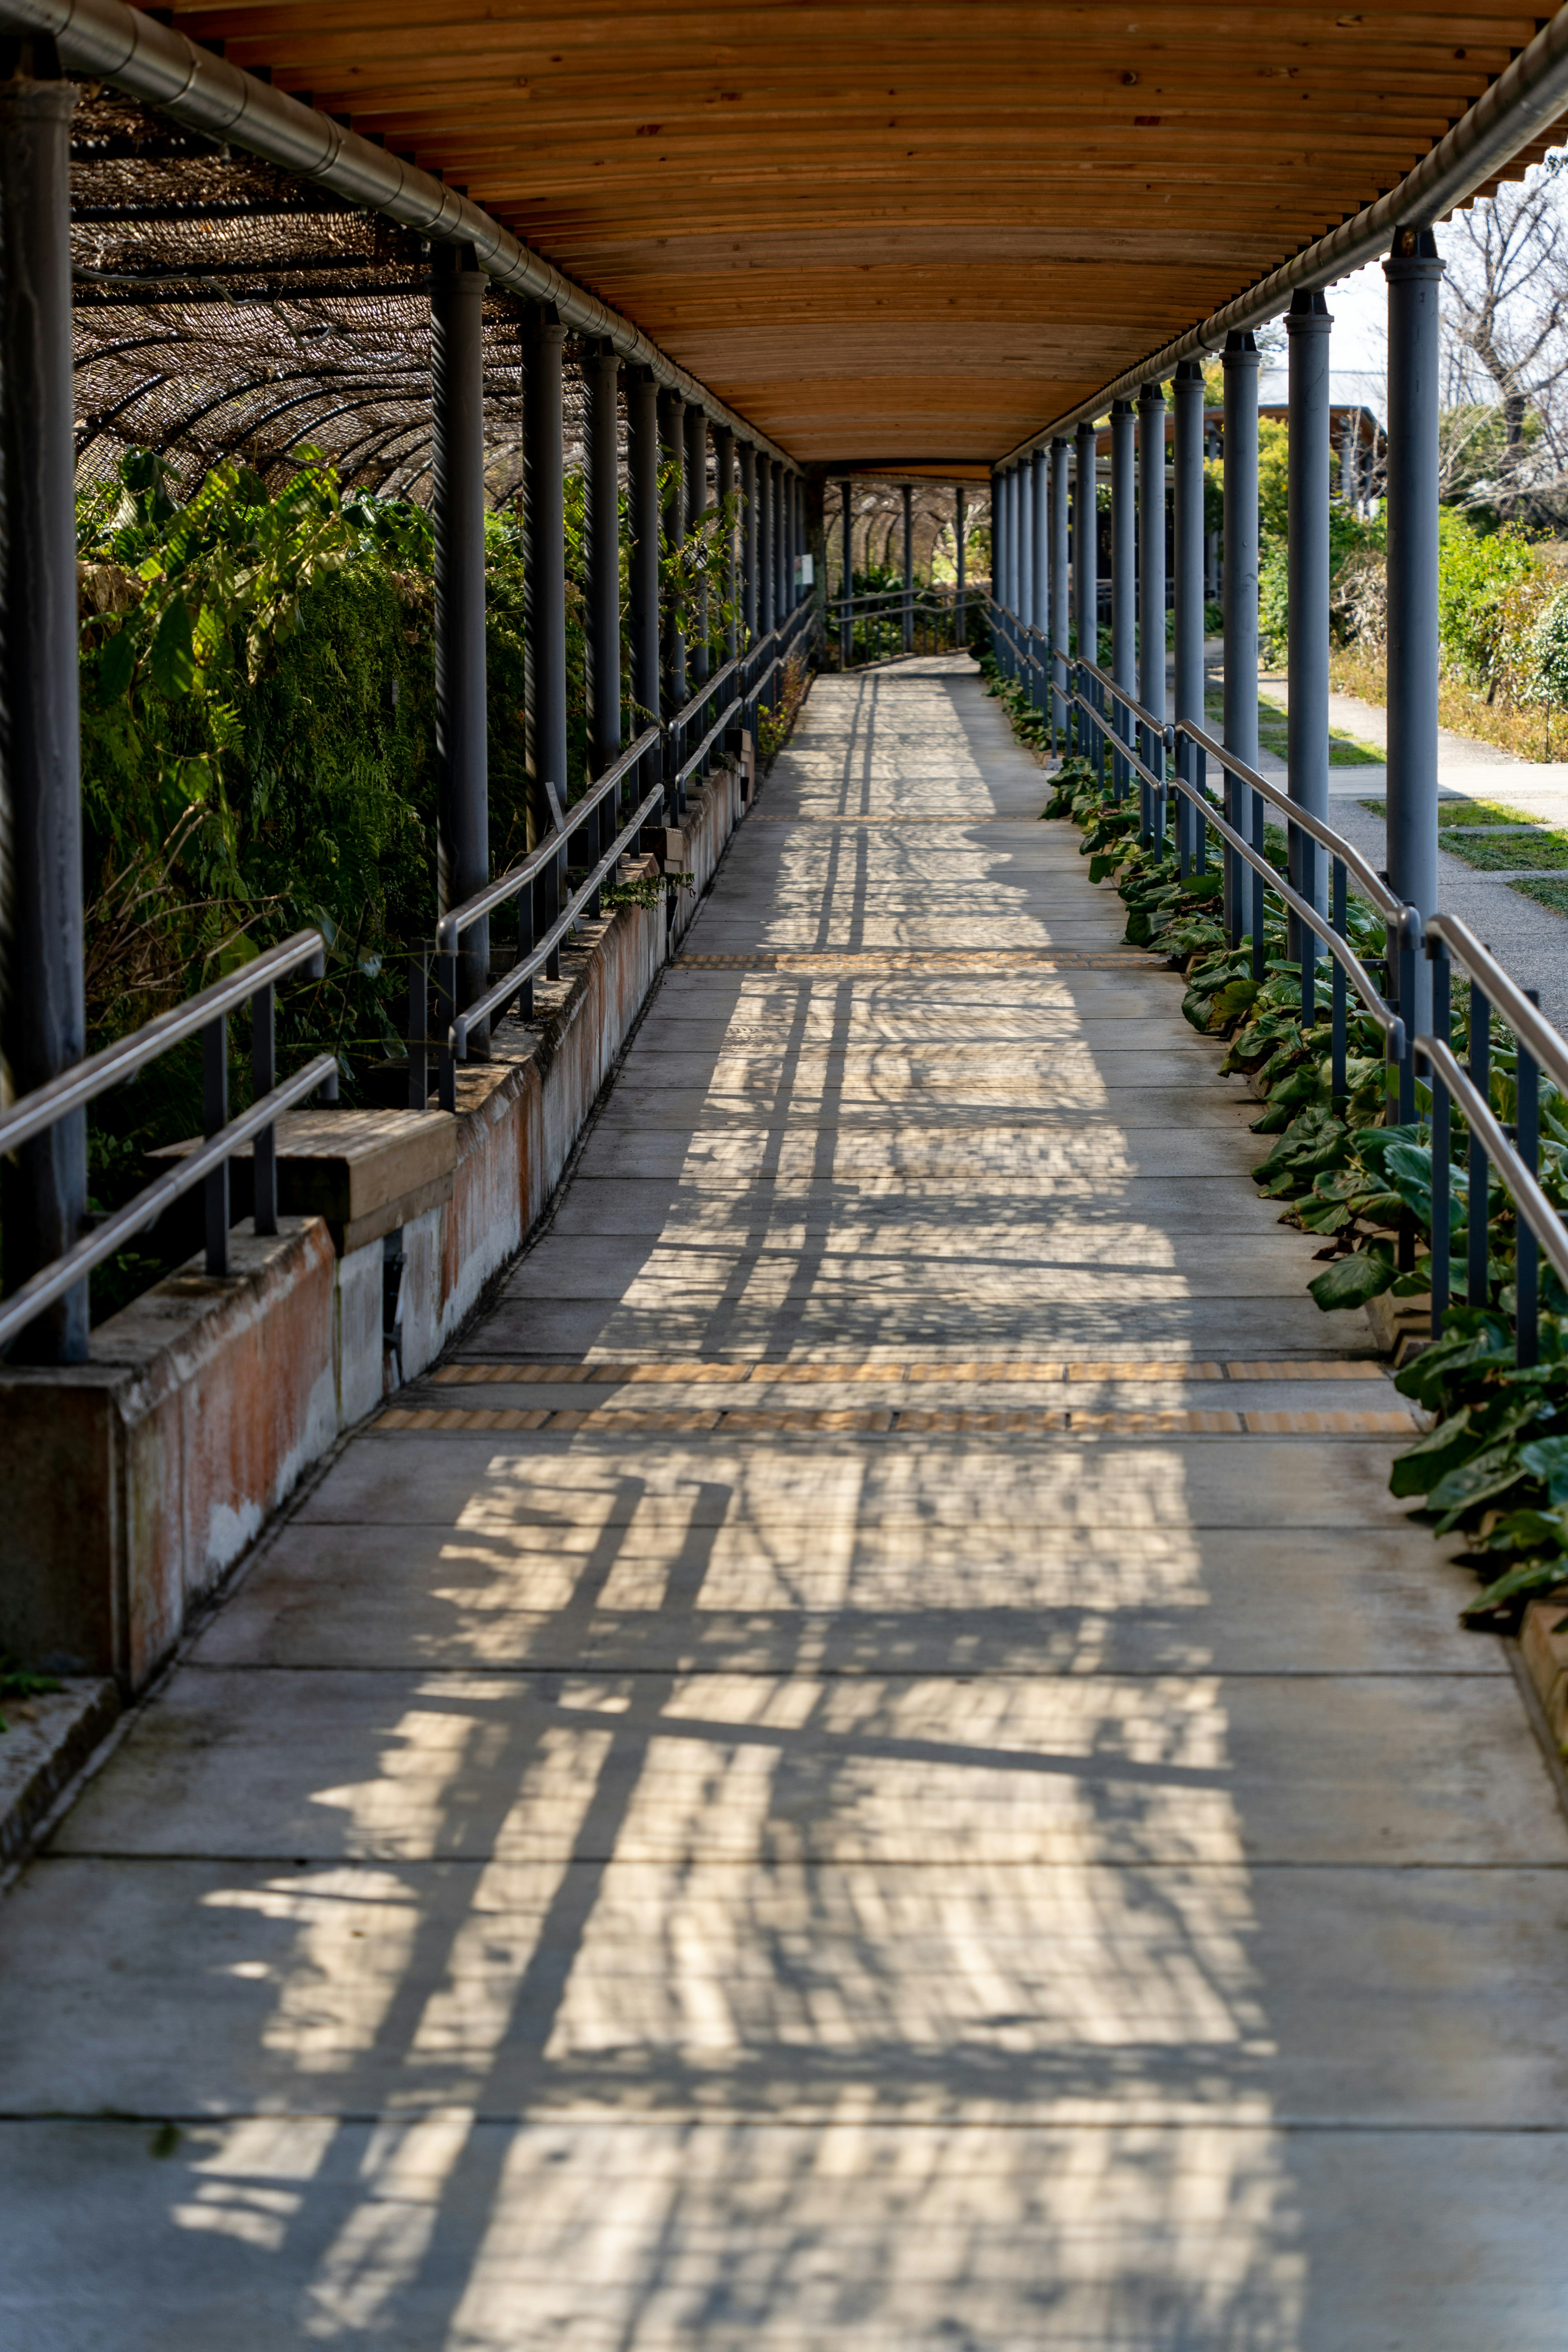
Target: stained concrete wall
133, 1483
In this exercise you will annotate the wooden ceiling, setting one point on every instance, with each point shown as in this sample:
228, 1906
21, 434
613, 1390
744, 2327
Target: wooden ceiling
903, 234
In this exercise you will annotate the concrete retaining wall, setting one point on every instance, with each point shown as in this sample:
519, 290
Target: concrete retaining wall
133, 1481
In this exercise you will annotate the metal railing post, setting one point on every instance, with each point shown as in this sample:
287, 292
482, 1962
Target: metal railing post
214, 1116
1442, 1190
1480, 1061
1240, 363
672, 463
1340, 1087
1040, 611
263, 1078
724, 487
463, 850
1527, 1264
960, 618
908, 569
418, 1028
43, 1188
847, 613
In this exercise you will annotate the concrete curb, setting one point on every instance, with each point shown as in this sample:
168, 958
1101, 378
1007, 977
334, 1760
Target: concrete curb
47, 1741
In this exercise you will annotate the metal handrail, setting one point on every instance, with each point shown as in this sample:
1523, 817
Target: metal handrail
451, 925
1489, 1131
1386, 902
1526, 1020
474, 1015
204, 1015
80, 1085
207, 1159
1316, 921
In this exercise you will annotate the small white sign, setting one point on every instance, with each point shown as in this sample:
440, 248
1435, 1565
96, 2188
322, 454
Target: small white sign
804, 572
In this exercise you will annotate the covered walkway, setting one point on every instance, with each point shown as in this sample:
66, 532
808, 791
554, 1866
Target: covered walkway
867, 1762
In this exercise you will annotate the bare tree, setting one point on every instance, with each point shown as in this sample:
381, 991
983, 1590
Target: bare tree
1505, 434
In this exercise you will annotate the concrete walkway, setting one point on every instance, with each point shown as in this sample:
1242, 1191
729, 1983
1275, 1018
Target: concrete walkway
870, 1765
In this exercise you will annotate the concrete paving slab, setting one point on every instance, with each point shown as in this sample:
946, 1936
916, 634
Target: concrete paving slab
1101, 1994
337, 1764
721, 2237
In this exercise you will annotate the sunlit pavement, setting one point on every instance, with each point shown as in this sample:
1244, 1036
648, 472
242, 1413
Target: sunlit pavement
869, 1764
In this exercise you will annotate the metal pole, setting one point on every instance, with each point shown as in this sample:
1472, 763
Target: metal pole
601, 372
776, 524
42, 1020
602, 482
748, 525
1151, 586
1061, 456
960, 619
544, 585
724, 488
1211, 539
462, 831
1041, 615
1309, 326
846, 616
1023, 517
642, 561
998, 566
1124, 586
1240, 608
1189, 554
697, 663
1086, 553
671, 411
1413, 271
766, 609
908, 569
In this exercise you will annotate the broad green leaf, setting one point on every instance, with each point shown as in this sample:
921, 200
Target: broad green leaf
1491, 1471
170, 663
1351, 1282
1442, 1449
1547, 1458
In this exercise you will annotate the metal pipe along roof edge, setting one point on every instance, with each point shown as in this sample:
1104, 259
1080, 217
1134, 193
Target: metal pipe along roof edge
1525, 99
112, 43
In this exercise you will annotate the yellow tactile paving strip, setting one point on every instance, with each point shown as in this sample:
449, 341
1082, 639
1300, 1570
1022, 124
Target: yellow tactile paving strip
1024, 1421
833, 960
817, 1373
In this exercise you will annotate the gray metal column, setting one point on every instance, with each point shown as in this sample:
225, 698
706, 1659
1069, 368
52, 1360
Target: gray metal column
1040, 532
43, 1023
1240, 610
908, 569
1124, 578
766, 611
748, 542
544, 578
697, 663
671, 440
998, 561
1061, 457
777, 526
845, 617
1189, 554
724, 488
1152, 583
960, 618
1024, 474
1308, 326
1086, 558
1413, 271
642, 557
601, 372
796, 537
462, 790
1211, 538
